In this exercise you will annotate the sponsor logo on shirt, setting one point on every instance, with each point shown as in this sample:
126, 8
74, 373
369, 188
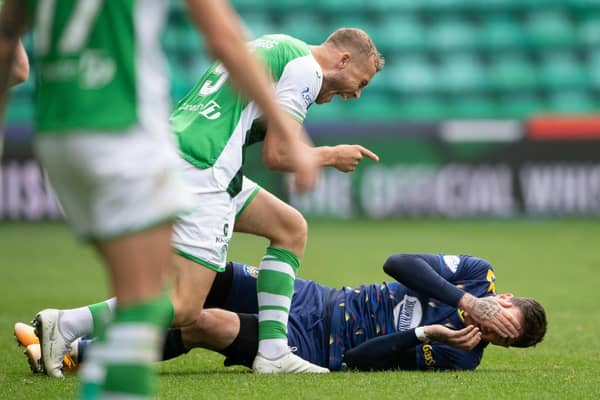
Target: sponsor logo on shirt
428, 356
306, 96
251, 271
209, 110
408, 313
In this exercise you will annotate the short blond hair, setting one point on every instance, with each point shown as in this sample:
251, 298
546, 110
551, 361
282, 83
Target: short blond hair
357, 42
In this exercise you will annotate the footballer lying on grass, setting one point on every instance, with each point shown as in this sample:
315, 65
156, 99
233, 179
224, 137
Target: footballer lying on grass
422, 320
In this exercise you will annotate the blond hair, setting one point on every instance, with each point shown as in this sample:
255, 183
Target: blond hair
358, 43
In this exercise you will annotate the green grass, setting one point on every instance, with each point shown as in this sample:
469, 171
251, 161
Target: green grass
556, 261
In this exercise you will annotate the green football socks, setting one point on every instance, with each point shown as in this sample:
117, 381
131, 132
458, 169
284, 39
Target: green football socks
120, 362
275, 288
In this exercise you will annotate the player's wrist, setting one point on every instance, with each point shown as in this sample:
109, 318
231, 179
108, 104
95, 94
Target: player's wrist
421, 334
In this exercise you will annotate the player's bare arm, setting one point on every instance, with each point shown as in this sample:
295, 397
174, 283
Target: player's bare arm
344, 157
20, 69
12, 26
226, 42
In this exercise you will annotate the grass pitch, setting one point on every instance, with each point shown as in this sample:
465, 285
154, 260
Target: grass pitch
555, 261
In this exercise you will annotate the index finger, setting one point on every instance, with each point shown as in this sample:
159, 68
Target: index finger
368, 153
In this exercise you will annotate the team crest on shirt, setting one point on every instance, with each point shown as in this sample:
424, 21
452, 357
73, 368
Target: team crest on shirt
408, 313
251, 271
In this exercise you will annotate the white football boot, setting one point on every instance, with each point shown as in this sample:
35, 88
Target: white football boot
286, 364
53, 343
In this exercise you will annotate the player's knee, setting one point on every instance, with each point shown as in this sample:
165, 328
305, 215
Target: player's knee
297, 233
204, 322
292, 232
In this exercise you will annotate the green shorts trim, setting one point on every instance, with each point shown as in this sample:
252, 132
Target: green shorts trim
248, 201
199, 261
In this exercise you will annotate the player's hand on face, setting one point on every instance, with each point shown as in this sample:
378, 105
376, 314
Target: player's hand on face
492, 313
465, 339
348, 156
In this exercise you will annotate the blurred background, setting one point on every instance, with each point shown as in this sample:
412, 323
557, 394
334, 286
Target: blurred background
485, 108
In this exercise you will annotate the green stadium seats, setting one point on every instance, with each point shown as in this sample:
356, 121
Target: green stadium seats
549, 29
20, 110
305, 26
462, 73
242, 5
457, 58
411, 75
451, 34
377, 108
562, 70
572, 102
593, 68
589, 30
333, 111
512, 73
520, 106
259, 23
421, 108
335, 6
445, 5
499, 33
399, 32
472, 107
393, 5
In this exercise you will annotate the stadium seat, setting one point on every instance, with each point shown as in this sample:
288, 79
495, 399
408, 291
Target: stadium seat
512, 73
421, 108
520, 106
445, 5
411, 75
393, 5
472, 107
589, 30
572, 102
461, 73
337, 6
259, 23
451, 34
241, 5
398, 33
549, 29
305, 26
562, 70
333, 111
378, 108
20, 110
593, 69
499, 33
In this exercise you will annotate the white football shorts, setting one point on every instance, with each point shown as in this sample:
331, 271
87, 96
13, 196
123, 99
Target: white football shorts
203, 234
114, 184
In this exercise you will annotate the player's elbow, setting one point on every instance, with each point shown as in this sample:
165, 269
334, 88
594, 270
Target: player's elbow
396, 262
272, 158
20, 73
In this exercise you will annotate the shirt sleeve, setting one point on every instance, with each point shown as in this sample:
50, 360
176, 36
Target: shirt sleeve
299, 86
462, 267
437, 356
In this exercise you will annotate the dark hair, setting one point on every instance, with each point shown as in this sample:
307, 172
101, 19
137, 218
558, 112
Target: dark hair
357, 41
534, 322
